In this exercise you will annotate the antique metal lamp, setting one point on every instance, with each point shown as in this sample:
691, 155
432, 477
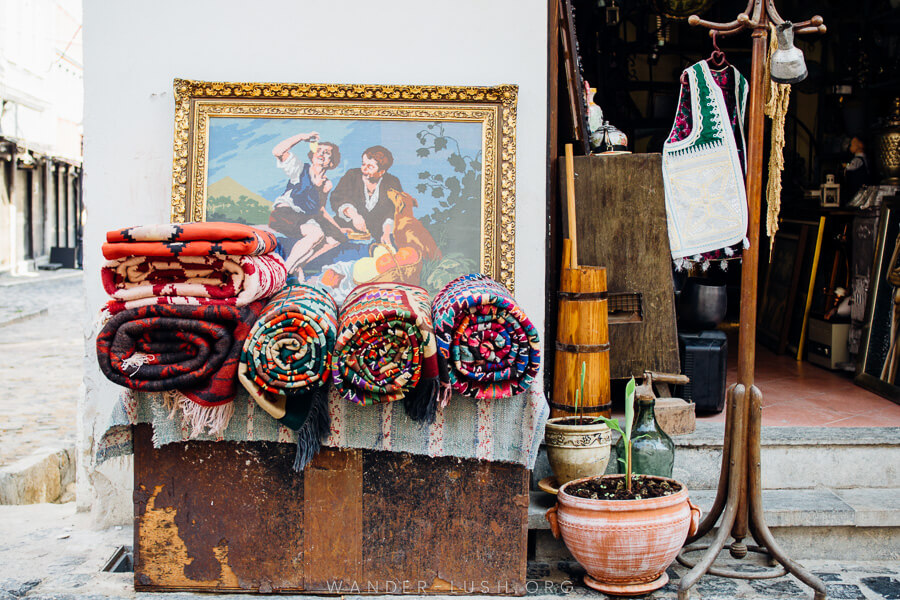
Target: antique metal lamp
787, 64
739, 497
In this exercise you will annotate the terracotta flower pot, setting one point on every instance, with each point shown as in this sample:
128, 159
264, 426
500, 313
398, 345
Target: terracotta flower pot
576, 451
624, 545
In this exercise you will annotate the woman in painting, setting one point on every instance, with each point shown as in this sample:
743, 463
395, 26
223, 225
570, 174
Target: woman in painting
299, 213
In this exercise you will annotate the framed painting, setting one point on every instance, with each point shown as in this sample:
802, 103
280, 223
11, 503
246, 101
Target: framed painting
360, 183
878, 368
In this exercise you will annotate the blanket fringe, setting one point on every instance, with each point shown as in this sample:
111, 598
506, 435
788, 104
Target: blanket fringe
214, 419
422, 401
136, 361
316, 426
445, 394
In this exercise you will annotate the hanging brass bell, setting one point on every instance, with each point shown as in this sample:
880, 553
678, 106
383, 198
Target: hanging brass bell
787, 64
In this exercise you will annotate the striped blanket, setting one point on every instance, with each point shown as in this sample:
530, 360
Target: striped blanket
385, 349
222, 279
188, 239
286, 361
510, 430
191, 350
492, 348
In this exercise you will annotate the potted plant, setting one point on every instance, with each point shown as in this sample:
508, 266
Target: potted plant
625, 530
577, 446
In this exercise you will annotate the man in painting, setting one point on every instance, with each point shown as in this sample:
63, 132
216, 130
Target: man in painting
299, 213
361, 196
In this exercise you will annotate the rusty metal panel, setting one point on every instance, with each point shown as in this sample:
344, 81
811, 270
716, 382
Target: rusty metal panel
444, 525
224, 516
216, 516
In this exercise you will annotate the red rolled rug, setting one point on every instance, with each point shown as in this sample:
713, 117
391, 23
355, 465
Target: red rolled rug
193, 350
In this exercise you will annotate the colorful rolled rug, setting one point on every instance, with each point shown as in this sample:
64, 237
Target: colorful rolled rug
223, 279
385, 349
490, 345
188, 239
191, 350
286, 361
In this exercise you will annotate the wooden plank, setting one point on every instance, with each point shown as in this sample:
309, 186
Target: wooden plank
444, 525
333, 513
622, 226
216, 516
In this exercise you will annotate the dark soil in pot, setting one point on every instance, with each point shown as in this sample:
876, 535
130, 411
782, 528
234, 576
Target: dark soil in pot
578, 421
613, 488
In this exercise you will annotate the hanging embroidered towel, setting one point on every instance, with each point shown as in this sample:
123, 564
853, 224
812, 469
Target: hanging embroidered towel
706, 201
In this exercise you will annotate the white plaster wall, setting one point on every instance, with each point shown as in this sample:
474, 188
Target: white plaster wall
133, 50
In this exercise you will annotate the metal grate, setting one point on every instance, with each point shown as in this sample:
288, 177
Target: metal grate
122, 561
625, 307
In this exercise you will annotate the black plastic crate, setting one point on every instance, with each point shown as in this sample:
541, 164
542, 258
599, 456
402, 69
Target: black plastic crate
704, 358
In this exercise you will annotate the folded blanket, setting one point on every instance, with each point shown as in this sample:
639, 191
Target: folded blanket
286, 361
216, 279
385, 349
492, 348
193, 350
188, 239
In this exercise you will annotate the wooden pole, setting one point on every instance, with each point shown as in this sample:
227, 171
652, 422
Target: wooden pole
570, 205
750, 256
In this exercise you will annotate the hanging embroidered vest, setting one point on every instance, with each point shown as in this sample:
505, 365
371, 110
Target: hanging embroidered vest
706, 201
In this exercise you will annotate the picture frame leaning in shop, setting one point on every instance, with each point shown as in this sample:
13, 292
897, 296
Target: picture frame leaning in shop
360, 183
878, 367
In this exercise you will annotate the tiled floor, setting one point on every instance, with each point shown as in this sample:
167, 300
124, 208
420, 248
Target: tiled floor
802, 394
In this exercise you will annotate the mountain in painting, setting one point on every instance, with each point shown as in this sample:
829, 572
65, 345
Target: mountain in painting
228, 200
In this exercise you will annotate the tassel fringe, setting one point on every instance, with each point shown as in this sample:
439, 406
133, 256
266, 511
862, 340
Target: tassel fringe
421, 403
316, 426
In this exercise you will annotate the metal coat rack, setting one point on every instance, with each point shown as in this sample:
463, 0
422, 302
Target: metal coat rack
739, 495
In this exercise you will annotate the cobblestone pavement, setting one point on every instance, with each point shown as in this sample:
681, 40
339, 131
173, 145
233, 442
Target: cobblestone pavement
48, 552
41, 365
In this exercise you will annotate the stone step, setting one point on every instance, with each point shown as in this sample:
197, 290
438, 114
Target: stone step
47, 475
834, 524
792, 457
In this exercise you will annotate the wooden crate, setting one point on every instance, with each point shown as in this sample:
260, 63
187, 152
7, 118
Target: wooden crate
233, 516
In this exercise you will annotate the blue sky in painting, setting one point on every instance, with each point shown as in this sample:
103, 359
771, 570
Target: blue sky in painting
241, 148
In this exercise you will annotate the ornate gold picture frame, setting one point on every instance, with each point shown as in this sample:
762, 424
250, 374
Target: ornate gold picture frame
360, 182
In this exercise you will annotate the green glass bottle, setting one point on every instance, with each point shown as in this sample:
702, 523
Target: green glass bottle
652, 450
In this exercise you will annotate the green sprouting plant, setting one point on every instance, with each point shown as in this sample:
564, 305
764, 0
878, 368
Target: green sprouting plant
626, 434
579, 395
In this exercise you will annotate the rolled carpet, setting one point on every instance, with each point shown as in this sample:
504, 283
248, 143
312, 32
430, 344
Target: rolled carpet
193, 350
188, 239
490, 345
225, 279
385, 349
286, 361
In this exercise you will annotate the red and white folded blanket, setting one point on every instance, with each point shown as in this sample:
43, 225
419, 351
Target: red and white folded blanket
188, 239
217, 279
